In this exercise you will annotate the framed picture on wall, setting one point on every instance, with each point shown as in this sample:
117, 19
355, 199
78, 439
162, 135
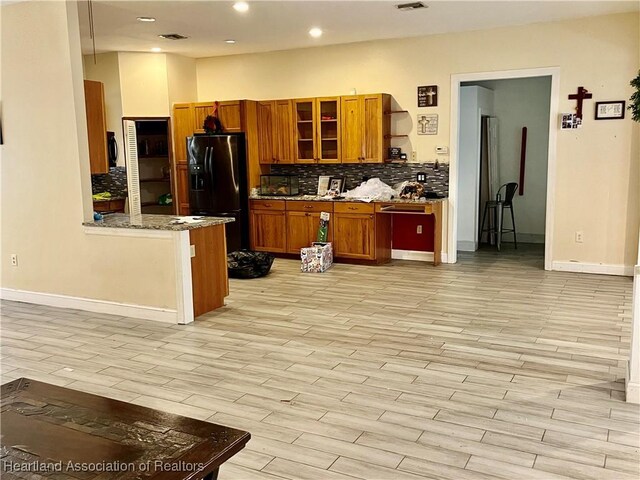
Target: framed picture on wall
427, 124
610, 110
428, 96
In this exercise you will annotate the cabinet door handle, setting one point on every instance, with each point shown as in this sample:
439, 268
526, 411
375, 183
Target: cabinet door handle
353, 208
267, 204
308, 206
274, 160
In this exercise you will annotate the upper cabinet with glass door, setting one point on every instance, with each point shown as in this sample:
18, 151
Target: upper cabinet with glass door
317, 129
305, 136
328, 130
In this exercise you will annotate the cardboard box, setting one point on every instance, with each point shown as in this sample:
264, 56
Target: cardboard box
317, 258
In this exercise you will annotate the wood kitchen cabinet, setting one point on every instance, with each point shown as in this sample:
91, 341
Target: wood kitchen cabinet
268, 226
275, 131
305, 130
229, 114
183, 127
303, 220
96, 126
365, 128
317, 130
182, 189
354, 231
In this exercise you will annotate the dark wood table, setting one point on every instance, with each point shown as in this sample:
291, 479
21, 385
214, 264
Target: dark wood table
55, 432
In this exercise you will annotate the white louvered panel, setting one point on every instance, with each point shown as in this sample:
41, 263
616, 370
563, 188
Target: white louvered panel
133, 177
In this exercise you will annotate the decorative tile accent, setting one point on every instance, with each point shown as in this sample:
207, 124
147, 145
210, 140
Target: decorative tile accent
114, 182
390, 173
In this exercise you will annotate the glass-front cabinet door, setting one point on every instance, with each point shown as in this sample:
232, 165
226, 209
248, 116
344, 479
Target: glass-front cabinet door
328, 128
305, 114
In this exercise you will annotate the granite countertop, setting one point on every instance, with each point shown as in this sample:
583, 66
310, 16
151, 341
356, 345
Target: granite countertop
154, 222
316, 198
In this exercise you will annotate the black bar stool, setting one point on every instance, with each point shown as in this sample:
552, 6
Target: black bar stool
498, 205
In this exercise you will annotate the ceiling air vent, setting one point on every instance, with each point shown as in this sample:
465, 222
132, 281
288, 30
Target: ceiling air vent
410, 6
172, 36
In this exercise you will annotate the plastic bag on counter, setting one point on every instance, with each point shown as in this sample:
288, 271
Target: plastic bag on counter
248, 264
372, 189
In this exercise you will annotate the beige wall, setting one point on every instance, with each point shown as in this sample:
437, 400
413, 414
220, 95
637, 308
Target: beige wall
105, 69
597, 166
143, 82
45, 184
181, 79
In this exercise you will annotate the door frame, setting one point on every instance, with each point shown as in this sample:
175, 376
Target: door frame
454, 136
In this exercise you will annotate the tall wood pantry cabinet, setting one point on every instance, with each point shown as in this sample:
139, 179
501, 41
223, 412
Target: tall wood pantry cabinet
96, 126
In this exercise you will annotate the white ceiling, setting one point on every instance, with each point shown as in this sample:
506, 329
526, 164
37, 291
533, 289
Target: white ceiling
282, 25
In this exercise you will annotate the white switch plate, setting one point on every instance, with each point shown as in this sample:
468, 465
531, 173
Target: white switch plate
419, 229
579, 236
192, 250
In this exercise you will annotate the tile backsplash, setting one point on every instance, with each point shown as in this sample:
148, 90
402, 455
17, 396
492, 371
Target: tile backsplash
390, 173
114, 182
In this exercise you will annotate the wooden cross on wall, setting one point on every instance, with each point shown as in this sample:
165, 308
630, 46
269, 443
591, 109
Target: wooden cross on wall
582, 94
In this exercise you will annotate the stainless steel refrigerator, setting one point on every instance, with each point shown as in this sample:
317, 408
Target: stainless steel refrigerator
218, 183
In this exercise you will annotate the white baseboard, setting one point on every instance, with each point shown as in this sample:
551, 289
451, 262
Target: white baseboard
416, 255
632, 392
467, 246
599, 268
90, 305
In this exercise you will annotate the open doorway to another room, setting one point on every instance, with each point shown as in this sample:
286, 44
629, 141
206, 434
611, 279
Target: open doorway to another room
502, 167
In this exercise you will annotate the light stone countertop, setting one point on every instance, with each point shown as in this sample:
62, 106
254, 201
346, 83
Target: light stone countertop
154, 222
316, 198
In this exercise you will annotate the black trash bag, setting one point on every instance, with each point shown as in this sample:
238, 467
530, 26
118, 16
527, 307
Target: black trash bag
248, 264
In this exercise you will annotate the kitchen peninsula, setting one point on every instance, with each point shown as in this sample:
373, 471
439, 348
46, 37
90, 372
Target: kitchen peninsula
200, 256
360, 231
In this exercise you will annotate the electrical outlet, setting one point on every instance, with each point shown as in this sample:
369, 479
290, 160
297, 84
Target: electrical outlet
14, 259
579, 236
414, 156
419, 229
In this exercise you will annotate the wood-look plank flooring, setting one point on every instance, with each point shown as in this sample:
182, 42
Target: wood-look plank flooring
490, 368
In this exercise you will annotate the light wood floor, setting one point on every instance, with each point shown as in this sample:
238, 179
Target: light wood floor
491, 368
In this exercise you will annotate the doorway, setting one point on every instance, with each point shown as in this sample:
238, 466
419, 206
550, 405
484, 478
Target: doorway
488, 114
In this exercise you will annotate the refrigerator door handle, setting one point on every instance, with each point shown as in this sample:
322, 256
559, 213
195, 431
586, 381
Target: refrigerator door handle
206, 163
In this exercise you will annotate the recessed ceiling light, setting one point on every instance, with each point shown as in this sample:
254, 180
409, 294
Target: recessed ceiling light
241, 7
230, 41
315, 32
146, 19
156, 49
